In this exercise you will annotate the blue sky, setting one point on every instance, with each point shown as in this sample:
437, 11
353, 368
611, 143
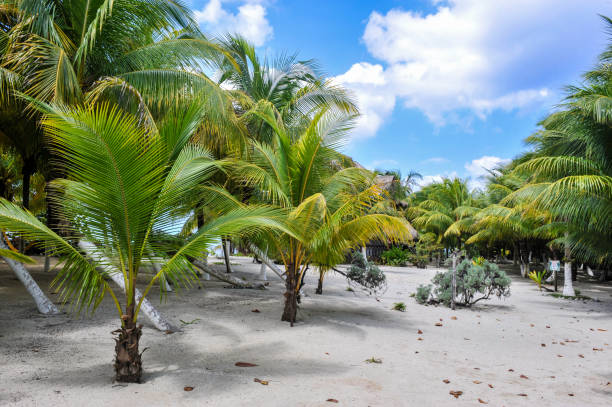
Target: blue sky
446, 87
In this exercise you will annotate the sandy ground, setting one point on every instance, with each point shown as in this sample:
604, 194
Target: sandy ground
529, 349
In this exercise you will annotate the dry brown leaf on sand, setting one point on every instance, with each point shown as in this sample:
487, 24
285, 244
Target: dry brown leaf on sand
481, 401
598, 349
511, 370
581, 356
476, 382
245, 364
438, 324
522, 394
601, 329
419, 332
490, 385
454, 318
455, 393
419, 339
524, 377
543, 345
446, 381
332, 400
256, 310
188, 388
264, 382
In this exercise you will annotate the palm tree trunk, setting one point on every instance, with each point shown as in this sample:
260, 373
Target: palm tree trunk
290, 311
264, 259
128, 360
43, 303
568, 287
225, 243
320, 285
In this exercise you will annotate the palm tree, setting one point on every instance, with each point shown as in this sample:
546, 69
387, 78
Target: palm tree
444, 208
570, 170
122, 182
297, 172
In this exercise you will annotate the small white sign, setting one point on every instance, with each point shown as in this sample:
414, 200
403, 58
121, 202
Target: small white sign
555, 265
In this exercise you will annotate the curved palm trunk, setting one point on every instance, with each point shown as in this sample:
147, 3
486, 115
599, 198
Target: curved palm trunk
128, 360
43, 303
291, 305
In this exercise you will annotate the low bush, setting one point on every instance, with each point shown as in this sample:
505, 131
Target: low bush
366, 274
395, 256
423, 293
476, 281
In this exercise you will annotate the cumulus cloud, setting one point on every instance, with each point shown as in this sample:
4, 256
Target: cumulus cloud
249, 20
472, 56
479, 168
430, 179
367, 83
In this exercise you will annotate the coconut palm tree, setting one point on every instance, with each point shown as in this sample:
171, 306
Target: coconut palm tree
298, 173
122, 182
444, 208
570, 170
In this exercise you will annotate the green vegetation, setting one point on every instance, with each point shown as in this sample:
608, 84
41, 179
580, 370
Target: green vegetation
399, 306
111, 132
474, 282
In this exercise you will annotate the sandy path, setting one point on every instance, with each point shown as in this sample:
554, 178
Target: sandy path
67, 361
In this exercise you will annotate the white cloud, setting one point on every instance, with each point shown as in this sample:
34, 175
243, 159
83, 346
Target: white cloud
479, 166
249, 20
472, 57
367, 83
430, 179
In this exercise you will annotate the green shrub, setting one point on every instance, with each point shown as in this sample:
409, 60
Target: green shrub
366, 274
399, 306
395, 256
475, 281
423, 293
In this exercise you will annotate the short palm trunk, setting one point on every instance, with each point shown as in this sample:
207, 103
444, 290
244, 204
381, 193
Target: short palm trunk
128, 362
291, 305
319, 289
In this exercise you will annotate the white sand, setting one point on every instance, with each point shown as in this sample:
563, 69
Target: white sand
67, 361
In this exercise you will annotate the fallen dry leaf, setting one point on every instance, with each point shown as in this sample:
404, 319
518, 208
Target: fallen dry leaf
552, 377
511, 370
476, 381
581, 356
562, 343
188, 388
245, 364
455, 393
598, 349
570, 394
255, 310
559, 356
531, 325
419, 332
543, 345
454, 318
441, 319
490, 385
327, 353
523, 377
601, 329
476, 368
522, 394
419, 339
591, 329
332, 400
481, 401
446, 381
438, 324
264, 382
547, 326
